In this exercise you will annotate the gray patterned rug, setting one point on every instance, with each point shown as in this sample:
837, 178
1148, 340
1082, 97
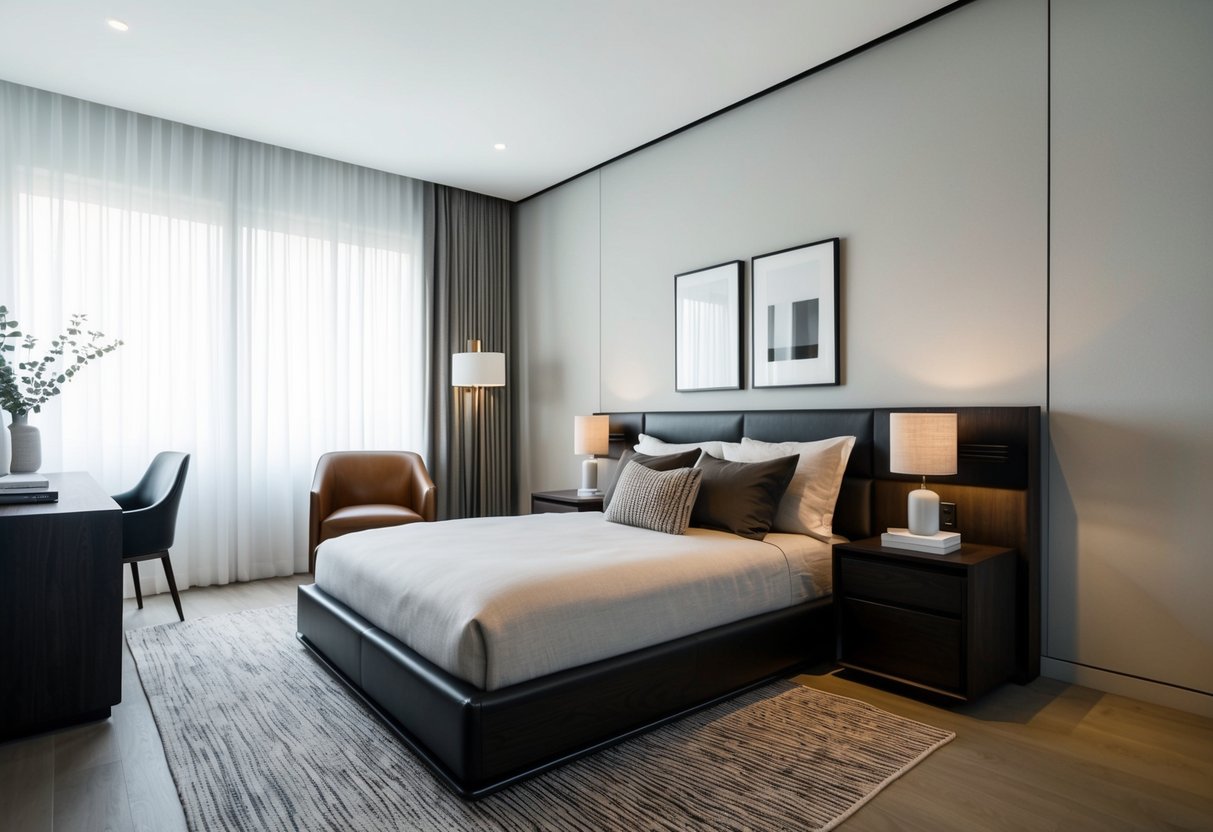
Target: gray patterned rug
259, 737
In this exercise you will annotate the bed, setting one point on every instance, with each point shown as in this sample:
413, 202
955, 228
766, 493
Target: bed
482, 716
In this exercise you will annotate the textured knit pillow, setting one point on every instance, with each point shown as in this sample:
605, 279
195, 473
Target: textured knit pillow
665, 462
741, 497
657, 500
807, 506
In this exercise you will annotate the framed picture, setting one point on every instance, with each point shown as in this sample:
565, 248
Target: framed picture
707, 328
794, 325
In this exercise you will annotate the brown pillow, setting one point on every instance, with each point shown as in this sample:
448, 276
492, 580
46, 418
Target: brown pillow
741, 497
657, 500
665, 462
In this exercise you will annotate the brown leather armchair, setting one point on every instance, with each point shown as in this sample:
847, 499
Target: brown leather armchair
357, 490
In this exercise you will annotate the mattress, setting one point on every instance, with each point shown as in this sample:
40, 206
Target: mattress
498, 601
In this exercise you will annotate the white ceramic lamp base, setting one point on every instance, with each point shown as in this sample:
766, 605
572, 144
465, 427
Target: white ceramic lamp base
589, 479
923, 511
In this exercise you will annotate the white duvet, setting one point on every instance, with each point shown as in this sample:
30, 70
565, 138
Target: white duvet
497, 601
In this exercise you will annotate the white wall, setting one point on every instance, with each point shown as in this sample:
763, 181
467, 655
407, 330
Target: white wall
929, 156
557, 301
1131, 358
923, 155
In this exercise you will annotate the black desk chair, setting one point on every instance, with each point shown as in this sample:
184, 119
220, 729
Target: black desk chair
149, 518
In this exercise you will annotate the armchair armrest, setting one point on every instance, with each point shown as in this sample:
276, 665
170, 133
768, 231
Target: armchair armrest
320, 507
423, 492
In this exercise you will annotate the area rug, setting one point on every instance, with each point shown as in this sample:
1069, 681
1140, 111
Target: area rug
260, 737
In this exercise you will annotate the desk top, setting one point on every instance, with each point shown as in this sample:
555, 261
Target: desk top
78, 492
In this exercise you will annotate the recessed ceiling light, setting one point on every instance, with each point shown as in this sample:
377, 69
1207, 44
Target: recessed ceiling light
499, 146
116, 25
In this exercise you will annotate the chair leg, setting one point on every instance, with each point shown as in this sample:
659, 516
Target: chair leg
138, 589
172, 584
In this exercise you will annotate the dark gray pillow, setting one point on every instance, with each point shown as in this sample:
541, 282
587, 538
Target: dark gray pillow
664, 462
657, 500
741, 497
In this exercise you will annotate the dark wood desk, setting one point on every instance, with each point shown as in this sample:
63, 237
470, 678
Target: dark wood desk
60, 608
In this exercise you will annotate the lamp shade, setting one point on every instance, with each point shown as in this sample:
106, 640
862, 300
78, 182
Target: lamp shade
477, 369
923, 444
591, 435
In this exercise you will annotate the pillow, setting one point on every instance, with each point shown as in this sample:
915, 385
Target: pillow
741, 497
657, 500
666, 462
654, 446
808, 505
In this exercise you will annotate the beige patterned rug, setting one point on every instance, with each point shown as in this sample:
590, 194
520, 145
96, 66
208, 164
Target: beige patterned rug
260, 737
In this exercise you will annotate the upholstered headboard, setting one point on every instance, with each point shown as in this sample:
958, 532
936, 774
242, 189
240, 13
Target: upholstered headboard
996, 487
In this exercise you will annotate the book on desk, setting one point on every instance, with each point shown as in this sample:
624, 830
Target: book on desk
23, 482
16, 489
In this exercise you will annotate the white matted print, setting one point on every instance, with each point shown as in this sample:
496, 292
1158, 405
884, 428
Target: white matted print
794, 340
707, 328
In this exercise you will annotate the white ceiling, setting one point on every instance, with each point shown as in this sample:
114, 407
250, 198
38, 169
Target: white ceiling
426, 88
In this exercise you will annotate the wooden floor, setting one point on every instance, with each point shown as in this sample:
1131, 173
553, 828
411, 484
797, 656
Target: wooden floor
1044, 756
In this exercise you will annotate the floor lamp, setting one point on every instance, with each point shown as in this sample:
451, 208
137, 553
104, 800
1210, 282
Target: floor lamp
472, 371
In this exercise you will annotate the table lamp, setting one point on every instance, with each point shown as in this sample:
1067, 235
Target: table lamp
591, 435
923, 444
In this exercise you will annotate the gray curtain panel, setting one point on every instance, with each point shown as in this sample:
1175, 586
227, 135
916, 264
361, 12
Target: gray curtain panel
471, 438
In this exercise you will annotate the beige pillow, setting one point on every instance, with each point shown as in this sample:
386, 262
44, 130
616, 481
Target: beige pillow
657, 500
807, 506
655, 447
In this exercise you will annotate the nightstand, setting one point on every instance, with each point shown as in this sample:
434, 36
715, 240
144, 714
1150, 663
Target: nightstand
557, 502
941, 623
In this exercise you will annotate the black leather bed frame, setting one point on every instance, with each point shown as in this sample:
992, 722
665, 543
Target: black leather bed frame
480, 741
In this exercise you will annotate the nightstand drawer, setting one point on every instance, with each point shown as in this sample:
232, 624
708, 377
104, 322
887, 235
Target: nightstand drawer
910, 645
563, 502
914, 587
548, 507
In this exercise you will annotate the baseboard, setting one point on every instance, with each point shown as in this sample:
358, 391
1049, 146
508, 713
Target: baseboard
1158, 693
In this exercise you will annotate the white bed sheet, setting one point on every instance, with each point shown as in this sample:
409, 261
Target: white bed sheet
497, 601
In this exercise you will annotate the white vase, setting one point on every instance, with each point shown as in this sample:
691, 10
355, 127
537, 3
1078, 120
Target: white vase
27, 446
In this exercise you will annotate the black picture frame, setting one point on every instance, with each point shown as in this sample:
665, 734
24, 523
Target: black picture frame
794, 317
709, 333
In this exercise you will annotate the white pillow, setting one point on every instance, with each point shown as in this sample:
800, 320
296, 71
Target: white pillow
807, 506
656, 447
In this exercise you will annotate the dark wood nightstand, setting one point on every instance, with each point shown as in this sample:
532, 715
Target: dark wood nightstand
941, 623
558, 502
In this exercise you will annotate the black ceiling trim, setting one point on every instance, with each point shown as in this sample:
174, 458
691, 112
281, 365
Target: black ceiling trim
844, 56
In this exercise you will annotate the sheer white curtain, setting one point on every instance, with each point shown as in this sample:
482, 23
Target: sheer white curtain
273, 305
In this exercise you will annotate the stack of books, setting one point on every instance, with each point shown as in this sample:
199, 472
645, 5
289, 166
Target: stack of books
940, 543
26, 488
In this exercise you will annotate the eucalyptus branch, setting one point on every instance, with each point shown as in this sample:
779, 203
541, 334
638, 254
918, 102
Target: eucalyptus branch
42, 379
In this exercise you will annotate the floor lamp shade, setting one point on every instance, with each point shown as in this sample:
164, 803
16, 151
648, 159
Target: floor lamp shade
477, 369
471, 371
591, 435
923, 444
